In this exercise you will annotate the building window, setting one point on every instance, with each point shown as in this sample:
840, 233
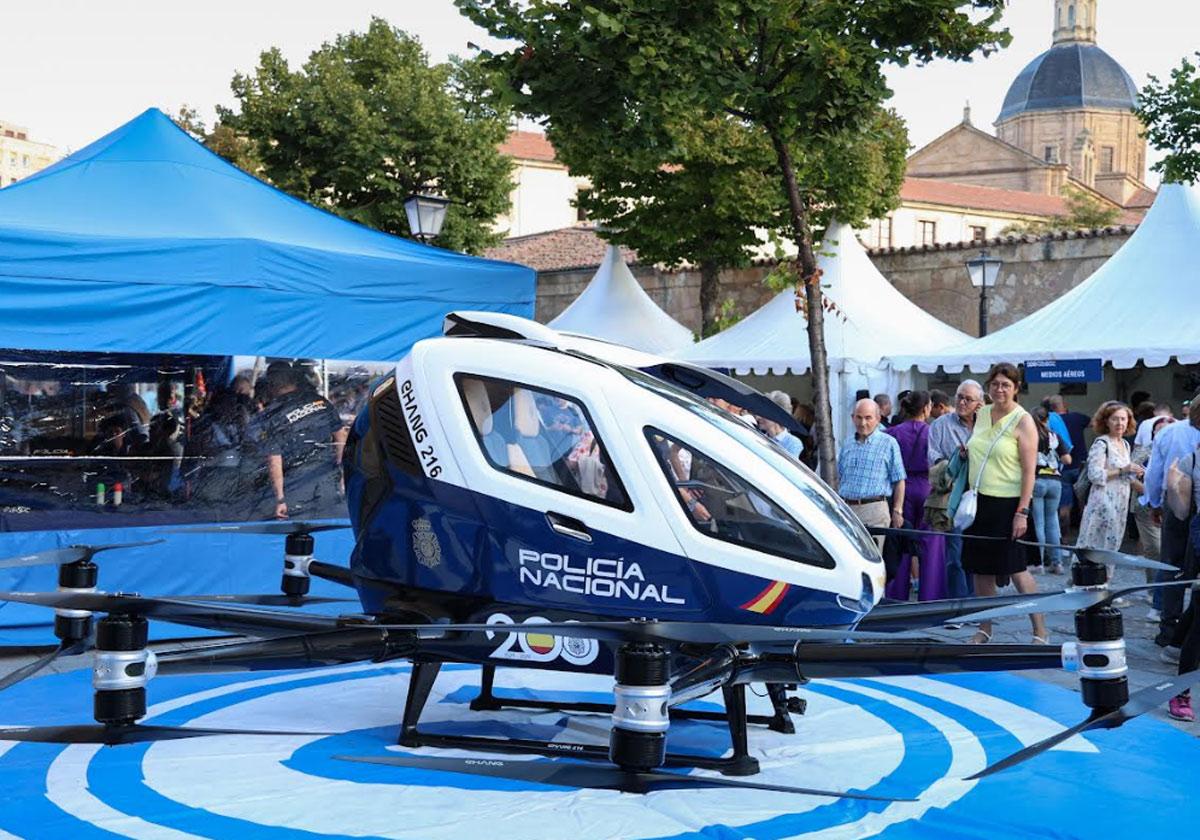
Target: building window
25, 161
928, 232
978, 233
882, 231
1050, 154
1107, 156
581, 214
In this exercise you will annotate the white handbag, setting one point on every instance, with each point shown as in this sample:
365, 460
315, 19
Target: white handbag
968, 505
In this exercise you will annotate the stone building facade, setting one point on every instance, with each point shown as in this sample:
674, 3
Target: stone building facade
1036, 271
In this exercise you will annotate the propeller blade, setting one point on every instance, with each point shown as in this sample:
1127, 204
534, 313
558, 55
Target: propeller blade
62, 556
1140, 702
264, 600
231, 617
95, 733
1101, 556
26, 671
1038, 748
1074, 599
573, 774
273, 528
684, 632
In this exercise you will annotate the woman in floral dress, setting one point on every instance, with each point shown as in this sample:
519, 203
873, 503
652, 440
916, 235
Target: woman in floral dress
1111, 473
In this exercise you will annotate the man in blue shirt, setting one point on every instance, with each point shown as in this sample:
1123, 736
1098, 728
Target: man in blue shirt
1178, 440
871, 472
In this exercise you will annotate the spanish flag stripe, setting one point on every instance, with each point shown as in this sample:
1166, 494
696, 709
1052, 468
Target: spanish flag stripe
768, 599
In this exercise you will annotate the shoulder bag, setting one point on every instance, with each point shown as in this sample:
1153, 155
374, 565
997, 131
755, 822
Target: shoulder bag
964, 516
1180, 488
1083, 484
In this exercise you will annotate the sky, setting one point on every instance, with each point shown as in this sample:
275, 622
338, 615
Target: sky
72, 70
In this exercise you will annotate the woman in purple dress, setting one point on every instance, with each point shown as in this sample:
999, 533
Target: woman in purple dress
912, 433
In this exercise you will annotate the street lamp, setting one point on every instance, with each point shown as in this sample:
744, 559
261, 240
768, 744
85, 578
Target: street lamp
983, 270
426, 214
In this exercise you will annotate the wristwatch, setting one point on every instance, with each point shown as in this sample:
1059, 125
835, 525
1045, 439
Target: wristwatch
1023, 511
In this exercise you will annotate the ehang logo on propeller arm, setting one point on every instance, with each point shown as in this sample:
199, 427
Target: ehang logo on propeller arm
596, 576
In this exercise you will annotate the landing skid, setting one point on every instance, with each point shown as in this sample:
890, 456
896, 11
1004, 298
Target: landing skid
780, 721
740, 763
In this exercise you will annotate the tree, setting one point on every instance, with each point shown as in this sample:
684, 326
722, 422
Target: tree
1171, 114
222, 140
807, 74
1084, 212
697, 196
367, 121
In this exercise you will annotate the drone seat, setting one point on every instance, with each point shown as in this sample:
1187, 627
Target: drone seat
480, 406
529, 453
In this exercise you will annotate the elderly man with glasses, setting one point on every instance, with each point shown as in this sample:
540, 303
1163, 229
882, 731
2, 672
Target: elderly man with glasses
948, 434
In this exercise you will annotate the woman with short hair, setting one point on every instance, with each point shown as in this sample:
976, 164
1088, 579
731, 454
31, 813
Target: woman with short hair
1003, 462
1111, 472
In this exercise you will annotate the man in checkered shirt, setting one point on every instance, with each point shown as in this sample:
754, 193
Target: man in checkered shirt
871, 472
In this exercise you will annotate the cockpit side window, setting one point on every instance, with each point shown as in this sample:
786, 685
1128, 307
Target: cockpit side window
541, 436
723, 505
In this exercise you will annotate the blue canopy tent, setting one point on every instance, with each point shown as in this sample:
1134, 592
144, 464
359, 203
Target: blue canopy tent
146, 242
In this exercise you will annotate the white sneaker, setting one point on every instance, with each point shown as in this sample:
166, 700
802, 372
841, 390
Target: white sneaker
1153, 615
1121, 603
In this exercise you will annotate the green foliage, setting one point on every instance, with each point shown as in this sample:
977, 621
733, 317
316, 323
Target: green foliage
727, 316
367, 121
1084, 212
1171, 114
802, 78
221, 140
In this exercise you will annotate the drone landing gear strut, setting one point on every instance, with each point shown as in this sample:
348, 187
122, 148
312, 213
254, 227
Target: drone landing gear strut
740, 763
780, 721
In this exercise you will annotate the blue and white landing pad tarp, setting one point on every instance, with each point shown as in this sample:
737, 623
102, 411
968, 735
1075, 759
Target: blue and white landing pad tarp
906, 737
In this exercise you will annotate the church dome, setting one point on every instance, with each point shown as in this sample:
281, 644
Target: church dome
1070, 75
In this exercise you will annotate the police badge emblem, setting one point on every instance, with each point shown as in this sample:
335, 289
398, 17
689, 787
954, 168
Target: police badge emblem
425, 544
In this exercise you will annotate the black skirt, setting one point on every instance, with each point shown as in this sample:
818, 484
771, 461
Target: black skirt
993, 518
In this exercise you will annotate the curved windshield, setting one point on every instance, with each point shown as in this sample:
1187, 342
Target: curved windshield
800, 476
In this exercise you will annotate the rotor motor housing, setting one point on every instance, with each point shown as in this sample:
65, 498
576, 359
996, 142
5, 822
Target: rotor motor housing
641, 707
80, 576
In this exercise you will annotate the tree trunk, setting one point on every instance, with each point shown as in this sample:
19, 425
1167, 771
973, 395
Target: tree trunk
710, 294
810, 280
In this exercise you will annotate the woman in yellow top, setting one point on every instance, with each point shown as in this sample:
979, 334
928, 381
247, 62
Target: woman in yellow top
1003, 464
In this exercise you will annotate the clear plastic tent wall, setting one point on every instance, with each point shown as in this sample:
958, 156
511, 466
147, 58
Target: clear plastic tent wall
614, 307
134, 274
1141, 306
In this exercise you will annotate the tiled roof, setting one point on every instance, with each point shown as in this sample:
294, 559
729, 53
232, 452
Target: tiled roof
527, 145
1142, 199
1007, 239
557, 250
950, 194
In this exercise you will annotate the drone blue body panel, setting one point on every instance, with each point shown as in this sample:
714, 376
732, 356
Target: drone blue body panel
468, 548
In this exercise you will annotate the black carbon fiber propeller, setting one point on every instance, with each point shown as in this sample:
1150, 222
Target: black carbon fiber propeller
572, 774
95, 733
1139, 703
281, 529
71, 554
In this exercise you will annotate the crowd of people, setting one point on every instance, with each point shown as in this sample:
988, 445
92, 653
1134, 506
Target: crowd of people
1006, 485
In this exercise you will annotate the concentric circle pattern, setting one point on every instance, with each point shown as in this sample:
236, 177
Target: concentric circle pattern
908, 738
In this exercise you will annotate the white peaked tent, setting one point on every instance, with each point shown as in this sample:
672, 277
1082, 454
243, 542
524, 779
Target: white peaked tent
1142, 305
614, 307
870, 320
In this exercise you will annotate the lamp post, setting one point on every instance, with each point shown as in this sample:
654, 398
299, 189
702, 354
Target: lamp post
426, 214
983, 270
